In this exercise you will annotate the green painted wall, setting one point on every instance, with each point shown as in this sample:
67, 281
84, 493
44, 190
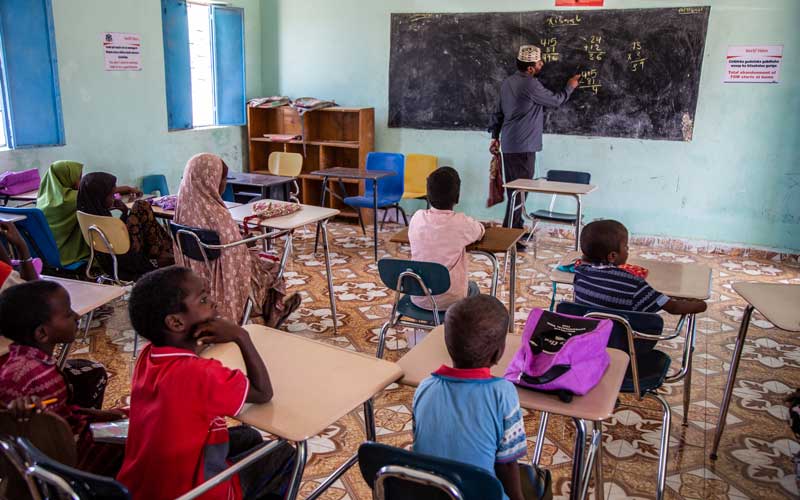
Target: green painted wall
117, 121
738, 180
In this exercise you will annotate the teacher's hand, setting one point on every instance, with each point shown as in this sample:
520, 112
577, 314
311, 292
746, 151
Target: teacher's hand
574, 81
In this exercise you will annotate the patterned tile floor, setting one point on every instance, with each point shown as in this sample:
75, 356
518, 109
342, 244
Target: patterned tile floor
755, 454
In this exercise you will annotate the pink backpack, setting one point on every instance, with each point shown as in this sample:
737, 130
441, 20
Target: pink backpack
12, 183
562, 354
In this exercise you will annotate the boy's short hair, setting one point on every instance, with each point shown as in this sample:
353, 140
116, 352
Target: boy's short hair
474, 328
24, 308
444, 187
600, 238
155, 296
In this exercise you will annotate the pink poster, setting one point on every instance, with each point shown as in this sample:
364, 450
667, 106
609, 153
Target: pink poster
753, 64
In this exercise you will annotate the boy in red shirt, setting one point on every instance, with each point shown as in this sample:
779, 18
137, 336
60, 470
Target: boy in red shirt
178, 437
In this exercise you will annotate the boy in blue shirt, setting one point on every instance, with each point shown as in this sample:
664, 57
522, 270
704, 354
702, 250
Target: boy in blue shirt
463, 413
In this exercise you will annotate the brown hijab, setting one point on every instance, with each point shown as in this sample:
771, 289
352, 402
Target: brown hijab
200, 205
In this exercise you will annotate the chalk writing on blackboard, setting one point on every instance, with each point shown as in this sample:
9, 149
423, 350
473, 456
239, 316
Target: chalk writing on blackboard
636, 58
691, 10
594, 48
550, 46
589, 80
564, 21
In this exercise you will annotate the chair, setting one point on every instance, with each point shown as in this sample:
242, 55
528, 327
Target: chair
203, 245
228, 194
417, 169
155, 182
552, 216
107, 235
39, 238
409, 278
647, 371
398, 473
287, 165
389, 189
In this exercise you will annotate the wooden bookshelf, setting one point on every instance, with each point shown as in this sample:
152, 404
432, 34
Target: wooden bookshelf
334, 137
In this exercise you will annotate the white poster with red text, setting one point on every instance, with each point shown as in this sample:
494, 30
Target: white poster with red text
753, 64
123, 51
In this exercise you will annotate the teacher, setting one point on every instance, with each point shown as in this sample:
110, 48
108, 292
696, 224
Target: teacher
517, 125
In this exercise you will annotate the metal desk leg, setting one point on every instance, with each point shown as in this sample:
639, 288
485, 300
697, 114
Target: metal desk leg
577, 459
287, 249
512, 285
593, 459
539, 446
322, 204
599, 491
323, 225
297, 473
726, 399
375, 216
495, 269
513, 207
578, 219
687, 381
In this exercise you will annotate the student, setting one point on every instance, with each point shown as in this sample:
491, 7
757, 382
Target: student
36, 316
462, 412
599, 280
441, 235
177, 433
238, 273
151, 246
8, 275
58, 195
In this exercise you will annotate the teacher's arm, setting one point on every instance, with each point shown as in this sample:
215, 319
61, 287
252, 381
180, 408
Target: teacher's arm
541, 95
495, 125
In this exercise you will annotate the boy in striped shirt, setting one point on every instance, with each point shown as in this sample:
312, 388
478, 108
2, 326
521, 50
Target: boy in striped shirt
463, 413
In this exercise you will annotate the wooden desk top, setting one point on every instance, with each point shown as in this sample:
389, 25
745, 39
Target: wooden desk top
86, 296
308, 214
12, 217
315, 384
679, 280
352, 173
427, 356
778, 302
544, 186
169, 214
495, 240
259, 180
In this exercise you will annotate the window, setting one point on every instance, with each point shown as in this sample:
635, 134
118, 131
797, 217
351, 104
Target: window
203, 64
30, 100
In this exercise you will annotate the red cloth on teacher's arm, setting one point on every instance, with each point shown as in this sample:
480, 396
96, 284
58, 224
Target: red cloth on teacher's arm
495, 177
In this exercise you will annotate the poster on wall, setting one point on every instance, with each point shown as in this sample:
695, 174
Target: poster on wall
753, 64
579, 3
123, 51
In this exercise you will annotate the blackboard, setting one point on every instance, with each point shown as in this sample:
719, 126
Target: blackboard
640, 67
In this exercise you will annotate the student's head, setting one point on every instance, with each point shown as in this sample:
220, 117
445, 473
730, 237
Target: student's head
475, 331
96, 193
38, 314
204, 176
444, 187
605, 242
167, 304
529, 59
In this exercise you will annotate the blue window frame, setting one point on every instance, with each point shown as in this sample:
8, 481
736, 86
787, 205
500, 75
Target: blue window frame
227, 62
31, 99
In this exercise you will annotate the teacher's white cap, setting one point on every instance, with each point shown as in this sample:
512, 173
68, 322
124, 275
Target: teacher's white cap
529, 54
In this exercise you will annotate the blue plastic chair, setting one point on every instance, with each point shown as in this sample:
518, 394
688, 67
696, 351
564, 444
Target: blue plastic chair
228, 194
156, 182
41, 242
397, 473
390, 189
647, 371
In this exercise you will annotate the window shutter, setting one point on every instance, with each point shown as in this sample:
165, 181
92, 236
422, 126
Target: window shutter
30, 78
177, 68
228, 56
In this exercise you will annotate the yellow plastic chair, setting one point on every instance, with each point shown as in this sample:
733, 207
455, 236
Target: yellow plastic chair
286, 165
105, 235
418, 168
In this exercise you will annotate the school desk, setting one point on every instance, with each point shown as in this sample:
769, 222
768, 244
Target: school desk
495, 240
26, 197
778, 303
263, 183
596, 406
339, 173
85, 298
308, 214
169, 214
315, 385
521, 186
675, 279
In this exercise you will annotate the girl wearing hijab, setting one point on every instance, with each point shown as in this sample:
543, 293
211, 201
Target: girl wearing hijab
151, 246
58, 195
238, 273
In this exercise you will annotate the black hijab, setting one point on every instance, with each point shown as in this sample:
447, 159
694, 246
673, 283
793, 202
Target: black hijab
93, 191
